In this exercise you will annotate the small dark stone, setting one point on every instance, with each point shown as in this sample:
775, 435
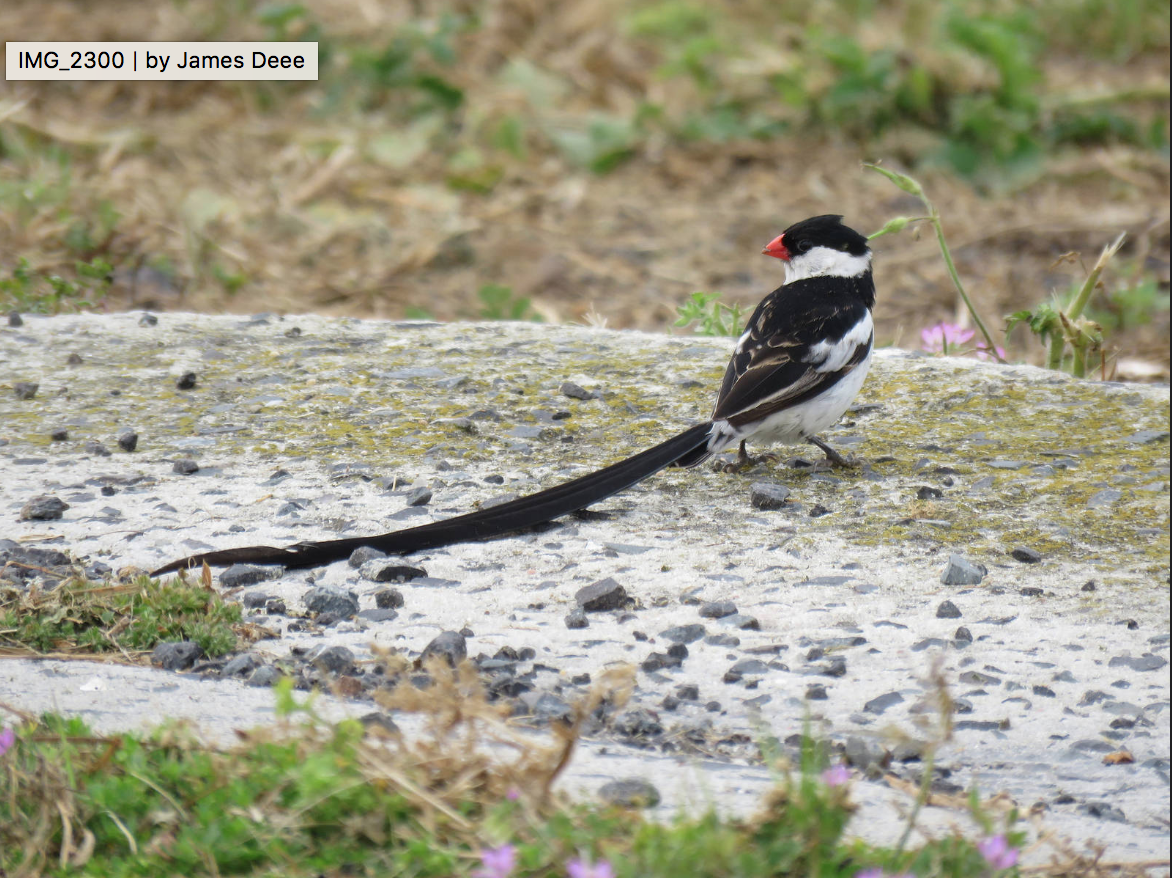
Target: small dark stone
376, 719
255, 600
1031, 591
659, 661
717, 609
331, 599
385, 570
388, 599
176, 655
688, 692
327, 619
963, 634
240, 666
1044, 691
670, 702
629, 792
265, 675
638, 723
128, 440
379, 614
185, 466
43, 508
1089, 585
362, 554
1123, 722
1093, 696
25, 389
722, 640
1026, 555
335, 659
606, 594
14, 319
148, 320
744, 668
186, 381
882, 702
275, 607
768, 495
683, 633
1131, 624
449, 645
924, 492
1104, 811
976, 678
678, 650
244, 574
576, 618
550, 708
420, 496
816, 693
836, 667
960, 571
741, 622
860, 752
976, 725
59, 435
574, 391
1147, 662
96, 448
947, 610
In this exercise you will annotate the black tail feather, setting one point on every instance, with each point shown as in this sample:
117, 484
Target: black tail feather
495, 521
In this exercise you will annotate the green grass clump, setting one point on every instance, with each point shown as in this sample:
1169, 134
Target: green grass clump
33, 292
331, 799
79, 616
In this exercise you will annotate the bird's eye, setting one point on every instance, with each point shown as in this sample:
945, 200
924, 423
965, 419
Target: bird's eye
804, 246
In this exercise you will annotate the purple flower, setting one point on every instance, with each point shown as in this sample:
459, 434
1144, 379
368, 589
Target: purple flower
583, 869
497, 863
513, 794
870, 873
943, 337
997, 852
7, 739
836, 775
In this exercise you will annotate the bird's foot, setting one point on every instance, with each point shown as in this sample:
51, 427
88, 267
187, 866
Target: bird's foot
836, 458
746, 461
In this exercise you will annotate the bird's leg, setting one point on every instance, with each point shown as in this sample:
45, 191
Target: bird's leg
832, 455
747, 461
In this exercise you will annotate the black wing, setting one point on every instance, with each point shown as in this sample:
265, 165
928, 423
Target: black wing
776, 362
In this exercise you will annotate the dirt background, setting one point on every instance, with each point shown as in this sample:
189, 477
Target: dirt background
246, 197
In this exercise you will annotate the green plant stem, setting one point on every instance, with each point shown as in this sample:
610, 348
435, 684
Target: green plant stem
951, 266
921, 800
1084, 294
1057, 345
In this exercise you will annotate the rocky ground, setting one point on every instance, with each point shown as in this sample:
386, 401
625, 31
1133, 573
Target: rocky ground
1006, 541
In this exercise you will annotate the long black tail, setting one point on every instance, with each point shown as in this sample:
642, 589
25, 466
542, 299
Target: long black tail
483, 525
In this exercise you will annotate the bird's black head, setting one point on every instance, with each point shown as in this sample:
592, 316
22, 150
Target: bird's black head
817, 231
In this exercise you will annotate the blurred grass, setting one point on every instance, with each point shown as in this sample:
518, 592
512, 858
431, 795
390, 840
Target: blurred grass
596, 158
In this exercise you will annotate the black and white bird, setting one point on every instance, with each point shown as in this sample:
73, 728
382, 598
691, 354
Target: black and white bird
797, 367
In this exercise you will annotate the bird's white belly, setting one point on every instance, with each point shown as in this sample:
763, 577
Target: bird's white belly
797, 422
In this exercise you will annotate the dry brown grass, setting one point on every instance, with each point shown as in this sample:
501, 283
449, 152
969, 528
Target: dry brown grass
323, 213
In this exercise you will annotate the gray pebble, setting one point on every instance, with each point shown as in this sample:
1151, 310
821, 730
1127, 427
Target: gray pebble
629, 792
449, 645
388, 599
638, 723
574, 391
576, 618
335, 659
688, 692
882, 702
960, 571
550, 708
420, 496
744, 668
963, 635
186, 381
240, 666
331, 599
861, 752
148, 320
265, 675
378, 614
816, 693
768, 495
25, 389
741, 622
947, 610
1104, 811
59, 435
1147, 662
683, 633
722, 640
245, 574
383, 570
1026, 555
128, 440
14, 319
176, 655
606, 594
43, 508
96, 448
185, 466
659, 661
363, 554
1105, 497
717, 609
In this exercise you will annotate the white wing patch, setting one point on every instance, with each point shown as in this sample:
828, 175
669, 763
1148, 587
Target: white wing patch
830, 356
825, 262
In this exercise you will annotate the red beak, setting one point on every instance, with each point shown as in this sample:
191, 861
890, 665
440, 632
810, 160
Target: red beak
777, 249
